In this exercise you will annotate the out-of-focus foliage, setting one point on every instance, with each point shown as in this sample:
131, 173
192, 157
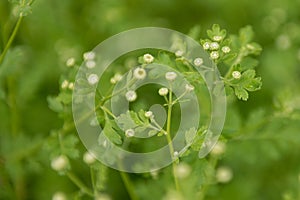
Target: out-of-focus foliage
261, 135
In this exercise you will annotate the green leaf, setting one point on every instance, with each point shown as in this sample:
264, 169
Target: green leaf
248, 63
110, 133
55, 104
246, 35
216, 31
241, 93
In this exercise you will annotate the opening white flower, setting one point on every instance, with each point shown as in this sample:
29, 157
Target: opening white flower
226, 49
170, 76
89, 158
90, 64
131, 95
129, 133
214, 46
214, 55
89, 55
206, 45
224, 174
236, 74
163, 91
149, 114
217, 38
198, 62
189, 88
148, 58
70, 62
60, 163
139, 73
93, 79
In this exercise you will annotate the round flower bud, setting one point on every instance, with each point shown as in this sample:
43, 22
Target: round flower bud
189, 88
131, 95
176, 154
219, 149
60, 163
226, 49
89, 158
214, 55
116, 78
90, 64
70, 62
148, 114
214, 46
236, 74
206, 45
224, 174
163, 91
93, 79
170, 76
64, 84
129, 133
59, 196
71, 86
179, 53
182, 170
198, 62
139, 73
217, 38
148, 58
89, 55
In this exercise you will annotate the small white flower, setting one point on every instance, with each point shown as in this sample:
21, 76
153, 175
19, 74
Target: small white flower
90, 64
131, 95
217, 38
89, 158
206, 45
59, 196
219, 149
163, 91
139, 73
224, 174
179, 53
189, 88
182, 170
129, 133
71, 86
226, 49
170, 76
89, 55
60, 163
64, 84
70, 62
198, 62
176, 154
116, 78
214, 55
93, 79
149, 114
214, 46
236, 74
148, 58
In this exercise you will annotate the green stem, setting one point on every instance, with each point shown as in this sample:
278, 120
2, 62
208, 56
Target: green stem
129, 186
11, 39
79, 184
169, 139
93, 181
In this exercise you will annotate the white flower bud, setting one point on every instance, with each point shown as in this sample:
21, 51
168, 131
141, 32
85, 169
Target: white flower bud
71, 86
89, 55
206, 45
214, 46
176, 154
70, 62
163, 91
214, 55
219, 149
182, 170
179, 53
116, 78
236, 74
148, 58
226, 49
217, 38
189, 88
90, 64
129, 133
149, 114
60, 163
224, 174
93, 79
139, 73
170, 76
198, 62
131, 95
59, 196
89, 158
64, 84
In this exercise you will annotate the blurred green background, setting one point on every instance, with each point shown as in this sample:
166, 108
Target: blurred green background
264, 157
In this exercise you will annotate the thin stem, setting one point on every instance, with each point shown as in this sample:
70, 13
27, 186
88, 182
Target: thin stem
169, 139
129, 186
108, 112
11, 38
93, 181
79, 184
